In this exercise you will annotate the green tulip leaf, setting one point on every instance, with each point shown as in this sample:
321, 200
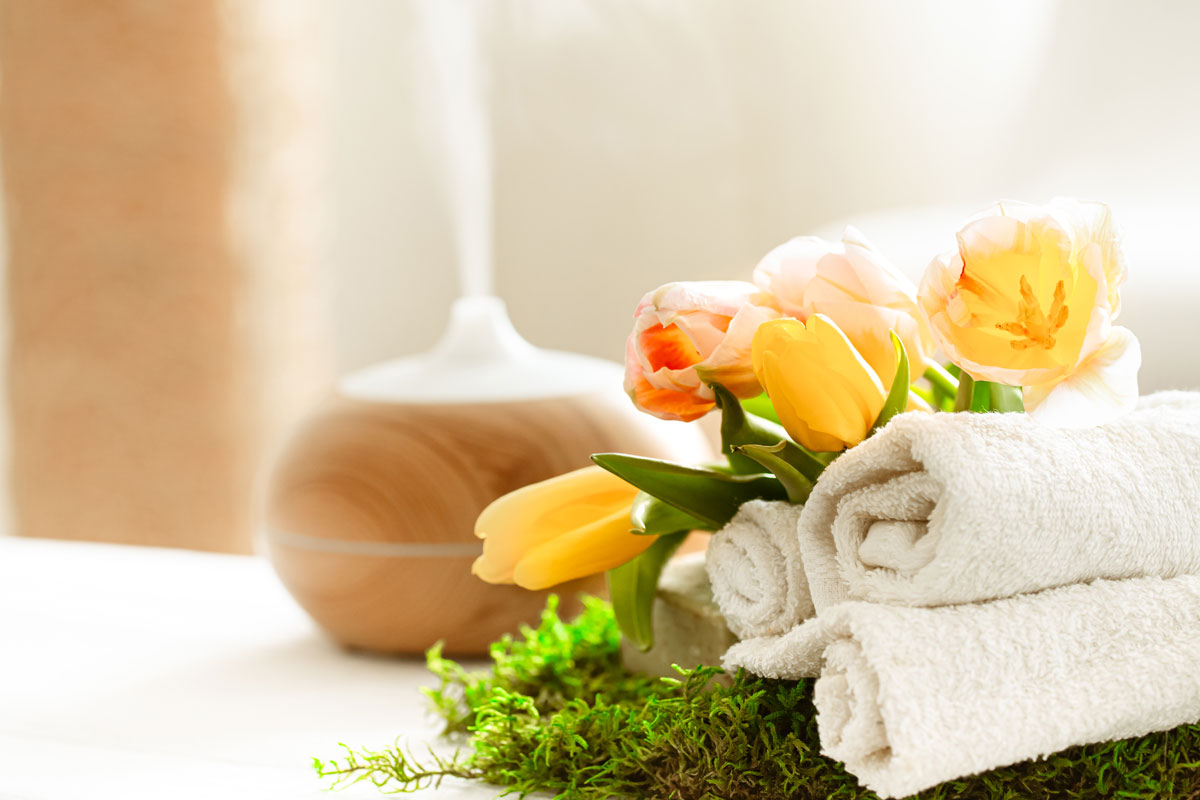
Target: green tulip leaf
897, 398
801, 459
740, 428
710, 496
653, 517
761, 406
633, 585
795, 483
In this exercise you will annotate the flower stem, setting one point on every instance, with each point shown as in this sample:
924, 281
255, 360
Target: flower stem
965, 393
942, 380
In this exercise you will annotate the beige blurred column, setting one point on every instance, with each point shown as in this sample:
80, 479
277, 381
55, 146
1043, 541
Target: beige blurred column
161, 174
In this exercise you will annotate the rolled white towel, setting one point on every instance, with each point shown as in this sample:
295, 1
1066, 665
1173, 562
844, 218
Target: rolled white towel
789, 656
911, 697
755, 569
955, 508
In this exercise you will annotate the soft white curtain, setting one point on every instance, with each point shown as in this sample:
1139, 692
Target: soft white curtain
164, 214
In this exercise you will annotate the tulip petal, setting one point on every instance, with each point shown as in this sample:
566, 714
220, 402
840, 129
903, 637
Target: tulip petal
783, 397
788, 270
851, 382
592, 548
826, 395
1093, 223
730, 364
1102, 389
667, 348
871, 336
669, 404
535, 514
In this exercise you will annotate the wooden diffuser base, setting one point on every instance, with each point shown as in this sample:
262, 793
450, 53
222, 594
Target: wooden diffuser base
372, 509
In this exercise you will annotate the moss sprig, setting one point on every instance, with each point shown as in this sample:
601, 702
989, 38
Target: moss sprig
558, 713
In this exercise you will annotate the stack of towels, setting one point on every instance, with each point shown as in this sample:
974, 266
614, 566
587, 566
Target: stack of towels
973, 590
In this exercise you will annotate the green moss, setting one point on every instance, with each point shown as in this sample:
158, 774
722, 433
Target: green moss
558, 713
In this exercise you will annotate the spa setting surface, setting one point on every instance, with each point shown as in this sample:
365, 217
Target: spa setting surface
146, 672
568, 399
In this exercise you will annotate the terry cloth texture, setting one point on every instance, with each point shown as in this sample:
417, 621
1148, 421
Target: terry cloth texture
938, 509
911, 697
755, 570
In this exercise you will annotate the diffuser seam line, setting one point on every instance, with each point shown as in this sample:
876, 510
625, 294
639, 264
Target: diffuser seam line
359, 548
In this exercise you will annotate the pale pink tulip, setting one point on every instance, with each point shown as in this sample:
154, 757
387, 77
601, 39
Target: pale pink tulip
852, 284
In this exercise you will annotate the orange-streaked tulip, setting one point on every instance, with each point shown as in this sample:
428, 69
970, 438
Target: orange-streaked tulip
689, 333
563, 528
853, 284
1028, 300
826, 395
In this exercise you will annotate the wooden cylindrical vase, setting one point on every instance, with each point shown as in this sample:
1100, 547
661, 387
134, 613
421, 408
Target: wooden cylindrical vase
372, 506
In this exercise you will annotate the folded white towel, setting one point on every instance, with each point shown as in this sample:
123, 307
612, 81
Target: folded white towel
755, 569
912, 697
955, 508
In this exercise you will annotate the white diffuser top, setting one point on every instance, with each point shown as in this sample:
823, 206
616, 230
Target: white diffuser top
481, 358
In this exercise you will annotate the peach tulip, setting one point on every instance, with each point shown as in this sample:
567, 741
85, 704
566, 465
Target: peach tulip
852, 284
688, 334
1028, 299
558, 530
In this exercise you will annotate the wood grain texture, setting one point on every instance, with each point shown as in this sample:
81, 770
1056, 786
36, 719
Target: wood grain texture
365, 472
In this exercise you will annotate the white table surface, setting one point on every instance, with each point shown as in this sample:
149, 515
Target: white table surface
139, 672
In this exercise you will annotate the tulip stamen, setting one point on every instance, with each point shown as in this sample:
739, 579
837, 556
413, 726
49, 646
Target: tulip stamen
1033, 327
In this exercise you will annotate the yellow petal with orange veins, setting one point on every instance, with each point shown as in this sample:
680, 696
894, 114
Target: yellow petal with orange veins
1029, 297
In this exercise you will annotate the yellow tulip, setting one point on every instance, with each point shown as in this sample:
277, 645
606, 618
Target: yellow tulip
825, 393
563, 528
1028, 299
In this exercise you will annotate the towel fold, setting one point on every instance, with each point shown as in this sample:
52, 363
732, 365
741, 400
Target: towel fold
911, 697
756, 572
789, 656
938, 509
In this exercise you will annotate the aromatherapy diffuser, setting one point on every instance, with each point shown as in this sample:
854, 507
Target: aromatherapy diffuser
372, 505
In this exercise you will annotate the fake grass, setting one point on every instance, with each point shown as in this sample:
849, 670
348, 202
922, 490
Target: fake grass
558, 713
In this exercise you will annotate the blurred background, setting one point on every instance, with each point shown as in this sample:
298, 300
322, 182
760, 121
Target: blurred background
214, 207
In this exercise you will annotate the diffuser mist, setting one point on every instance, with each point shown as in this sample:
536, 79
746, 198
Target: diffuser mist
372, 506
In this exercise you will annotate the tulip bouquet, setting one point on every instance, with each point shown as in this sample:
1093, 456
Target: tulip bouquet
824, 347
